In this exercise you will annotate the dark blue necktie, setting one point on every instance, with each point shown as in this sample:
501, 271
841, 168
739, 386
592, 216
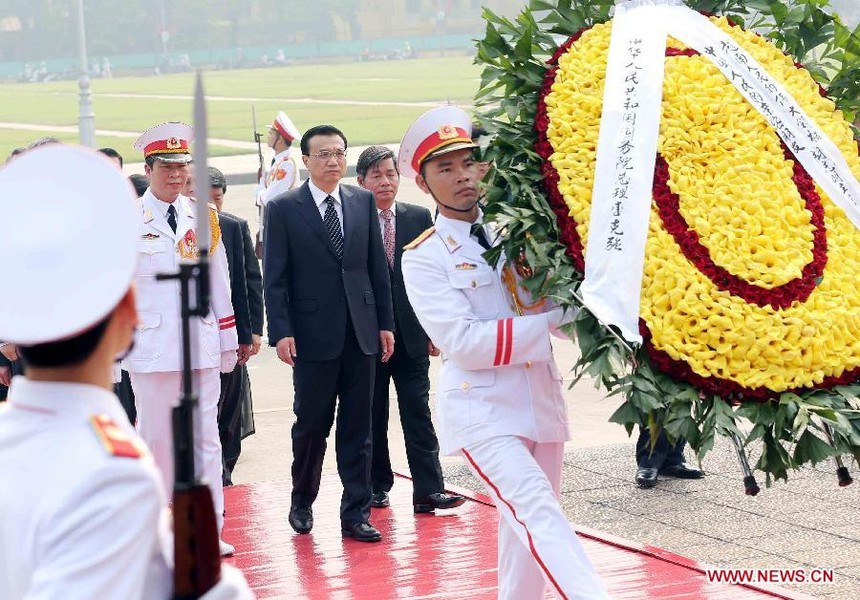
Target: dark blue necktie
332, 224
171, 217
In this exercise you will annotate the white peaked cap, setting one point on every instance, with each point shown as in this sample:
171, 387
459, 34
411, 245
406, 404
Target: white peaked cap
68, 238
438, 131
284, 125
169, 142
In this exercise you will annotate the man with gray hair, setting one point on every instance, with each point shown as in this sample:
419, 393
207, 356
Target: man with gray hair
409, 365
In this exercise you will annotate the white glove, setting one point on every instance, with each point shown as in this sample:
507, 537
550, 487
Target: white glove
228, 361
231, 587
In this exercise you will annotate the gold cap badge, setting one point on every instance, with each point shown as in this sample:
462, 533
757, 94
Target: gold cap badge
447, 132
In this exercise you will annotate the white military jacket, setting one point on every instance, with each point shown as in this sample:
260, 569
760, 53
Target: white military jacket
498, 376
282, 177
82, 512
157, 345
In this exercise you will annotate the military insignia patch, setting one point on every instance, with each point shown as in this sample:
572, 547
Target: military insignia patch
466, 266
280, 174
114, 439
447, 132
187, 246
147, 215
173, 143
150, 236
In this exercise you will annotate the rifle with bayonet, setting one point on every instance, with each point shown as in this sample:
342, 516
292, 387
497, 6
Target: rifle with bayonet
258, 137
258, 246
197, 555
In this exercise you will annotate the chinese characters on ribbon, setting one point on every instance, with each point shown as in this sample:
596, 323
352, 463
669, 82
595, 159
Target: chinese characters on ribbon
626, 146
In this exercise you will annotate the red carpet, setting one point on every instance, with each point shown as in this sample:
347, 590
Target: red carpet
447, 556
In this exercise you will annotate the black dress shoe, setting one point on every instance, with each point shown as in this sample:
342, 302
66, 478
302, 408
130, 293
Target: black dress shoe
646, 477
681, 471
379, 500
438, 500
361, 532
301, 519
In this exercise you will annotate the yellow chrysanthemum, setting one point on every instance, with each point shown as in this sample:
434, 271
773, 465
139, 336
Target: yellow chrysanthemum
736, 190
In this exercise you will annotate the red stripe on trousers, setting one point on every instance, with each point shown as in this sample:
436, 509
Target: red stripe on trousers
532, 548
509, 336
500, 340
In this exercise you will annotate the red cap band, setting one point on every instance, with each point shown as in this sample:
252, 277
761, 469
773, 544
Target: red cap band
172, 145
444, 136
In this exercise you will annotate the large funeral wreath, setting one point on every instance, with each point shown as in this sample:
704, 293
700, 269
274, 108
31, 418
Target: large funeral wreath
750, 305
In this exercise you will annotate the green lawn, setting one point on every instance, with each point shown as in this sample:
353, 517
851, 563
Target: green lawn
434, 80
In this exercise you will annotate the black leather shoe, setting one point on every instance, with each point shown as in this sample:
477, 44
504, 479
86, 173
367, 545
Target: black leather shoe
681, 471
379, 500
646, 477
438, 500
301, 519
361, 532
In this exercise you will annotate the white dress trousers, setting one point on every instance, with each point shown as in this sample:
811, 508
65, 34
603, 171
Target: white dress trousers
155, 424
538, 548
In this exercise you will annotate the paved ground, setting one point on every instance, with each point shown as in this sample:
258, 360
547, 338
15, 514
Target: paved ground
807, 523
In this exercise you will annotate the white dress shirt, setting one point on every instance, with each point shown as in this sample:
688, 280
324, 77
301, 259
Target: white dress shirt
320, 196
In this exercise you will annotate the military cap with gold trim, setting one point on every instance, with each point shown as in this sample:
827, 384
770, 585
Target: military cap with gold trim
168, 142
438, 131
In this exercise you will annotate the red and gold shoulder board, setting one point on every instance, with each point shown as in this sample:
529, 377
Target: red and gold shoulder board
114, 439
420, 239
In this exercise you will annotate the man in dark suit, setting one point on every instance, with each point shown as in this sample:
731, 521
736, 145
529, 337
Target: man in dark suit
235, 413
328, 300
409, 367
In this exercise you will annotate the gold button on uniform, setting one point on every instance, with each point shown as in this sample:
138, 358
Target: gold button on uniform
474, 283
465, 386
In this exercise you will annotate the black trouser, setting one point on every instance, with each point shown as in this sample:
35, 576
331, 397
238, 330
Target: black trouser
125, 393
412, 383
318, 385
664, 454
233, 405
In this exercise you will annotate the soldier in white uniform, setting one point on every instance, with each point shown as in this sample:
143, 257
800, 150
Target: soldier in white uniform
499, 402
82, 509
284, 172
166, 237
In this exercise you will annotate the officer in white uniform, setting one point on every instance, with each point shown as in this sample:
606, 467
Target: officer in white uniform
167, 237
499, 402
284, 172
82, 509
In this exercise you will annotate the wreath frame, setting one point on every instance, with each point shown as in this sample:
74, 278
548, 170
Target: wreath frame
516, 56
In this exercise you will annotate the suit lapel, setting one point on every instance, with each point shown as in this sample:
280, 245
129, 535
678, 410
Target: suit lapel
401, 233
310, 213
347, 203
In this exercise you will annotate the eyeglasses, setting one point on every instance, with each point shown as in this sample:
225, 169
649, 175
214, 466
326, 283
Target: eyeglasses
327, 154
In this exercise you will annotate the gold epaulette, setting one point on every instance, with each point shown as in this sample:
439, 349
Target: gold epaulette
216, 229
420, 239
114, 439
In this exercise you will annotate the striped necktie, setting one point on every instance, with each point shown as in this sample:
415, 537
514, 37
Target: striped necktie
332, 224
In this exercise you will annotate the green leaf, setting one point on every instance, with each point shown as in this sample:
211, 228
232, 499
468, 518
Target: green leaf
811, 449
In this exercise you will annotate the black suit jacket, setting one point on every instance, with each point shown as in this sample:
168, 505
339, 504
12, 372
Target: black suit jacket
409, 221
231, 235
309, 292
253, 277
